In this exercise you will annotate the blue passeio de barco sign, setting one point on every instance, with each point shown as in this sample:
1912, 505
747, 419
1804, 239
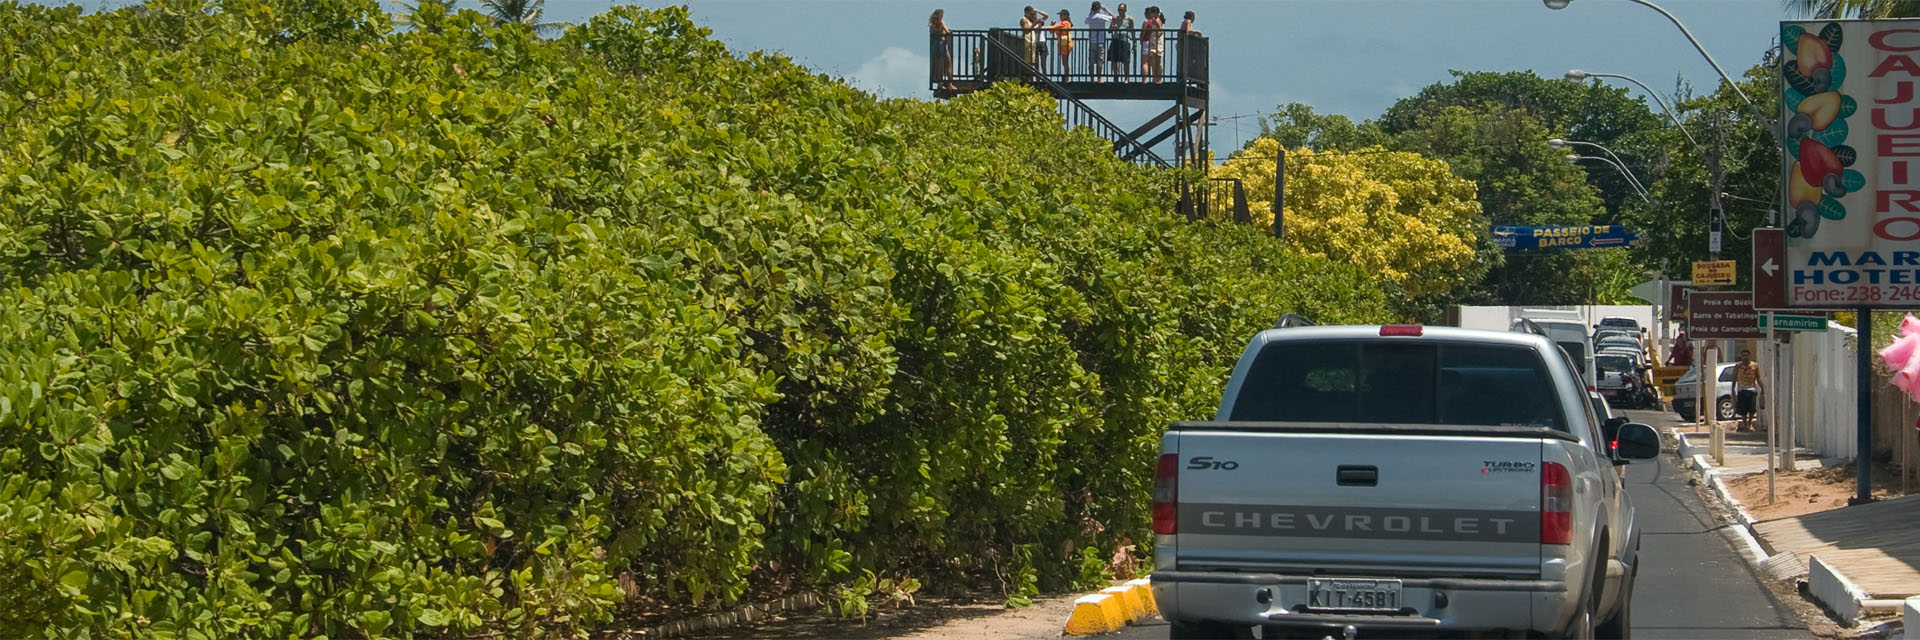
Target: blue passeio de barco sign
1604, 236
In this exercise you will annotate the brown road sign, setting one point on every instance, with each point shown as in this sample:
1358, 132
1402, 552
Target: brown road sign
1677, 301
1722, 314
1769, 269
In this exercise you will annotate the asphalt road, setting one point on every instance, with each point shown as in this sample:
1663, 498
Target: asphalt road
1692, 584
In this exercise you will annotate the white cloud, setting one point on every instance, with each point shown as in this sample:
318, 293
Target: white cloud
895, 73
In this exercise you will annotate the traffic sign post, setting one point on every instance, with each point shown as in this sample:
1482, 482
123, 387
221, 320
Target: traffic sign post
1769, 268
1713, 315
1784, 322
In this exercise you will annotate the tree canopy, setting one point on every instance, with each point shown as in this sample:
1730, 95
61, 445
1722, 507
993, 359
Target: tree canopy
1403, 217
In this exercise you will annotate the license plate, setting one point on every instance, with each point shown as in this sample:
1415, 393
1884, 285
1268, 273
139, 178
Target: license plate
1353, 594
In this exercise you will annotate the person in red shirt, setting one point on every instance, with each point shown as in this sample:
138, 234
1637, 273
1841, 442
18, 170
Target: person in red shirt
1682, 355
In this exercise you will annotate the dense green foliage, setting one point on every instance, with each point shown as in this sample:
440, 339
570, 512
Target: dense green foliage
312, 327
1492, 128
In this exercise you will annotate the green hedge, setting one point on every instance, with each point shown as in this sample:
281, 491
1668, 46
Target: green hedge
315, 327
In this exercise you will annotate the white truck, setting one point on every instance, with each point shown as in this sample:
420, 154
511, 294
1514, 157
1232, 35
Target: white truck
1398, 480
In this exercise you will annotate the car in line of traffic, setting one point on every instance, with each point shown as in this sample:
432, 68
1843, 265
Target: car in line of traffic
1399, 479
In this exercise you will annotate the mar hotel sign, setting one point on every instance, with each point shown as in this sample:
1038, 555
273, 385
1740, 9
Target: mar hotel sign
1851, 99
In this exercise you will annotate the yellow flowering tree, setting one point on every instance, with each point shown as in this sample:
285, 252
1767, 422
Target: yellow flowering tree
1402, 216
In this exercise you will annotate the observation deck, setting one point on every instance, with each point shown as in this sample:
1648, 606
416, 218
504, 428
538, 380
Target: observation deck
1170, 67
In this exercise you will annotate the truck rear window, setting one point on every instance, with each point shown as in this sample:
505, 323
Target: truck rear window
1398, 383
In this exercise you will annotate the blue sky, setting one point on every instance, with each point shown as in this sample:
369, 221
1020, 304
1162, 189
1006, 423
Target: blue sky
1351, 57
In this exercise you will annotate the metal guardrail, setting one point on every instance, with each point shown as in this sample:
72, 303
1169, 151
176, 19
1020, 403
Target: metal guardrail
1171, 57
1216, 199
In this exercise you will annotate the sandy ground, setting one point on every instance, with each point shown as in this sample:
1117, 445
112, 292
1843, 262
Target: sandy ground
1802, 492
926, 619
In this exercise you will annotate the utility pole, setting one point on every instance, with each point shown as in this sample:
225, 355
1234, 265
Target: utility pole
1716, 183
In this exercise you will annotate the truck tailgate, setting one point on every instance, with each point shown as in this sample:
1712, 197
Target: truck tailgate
1299, 501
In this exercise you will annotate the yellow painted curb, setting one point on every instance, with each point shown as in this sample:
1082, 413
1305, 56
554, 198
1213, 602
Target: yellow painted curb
1113, 608
1135, 610
1144, 588
1097, 613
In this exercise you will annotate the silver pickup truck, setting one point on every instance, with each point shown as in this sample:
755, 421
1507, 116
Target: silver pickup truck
1398, 480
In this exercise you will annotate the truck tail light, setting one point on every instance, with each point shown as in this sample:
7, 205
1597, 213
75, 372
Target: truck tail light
1166, 494
1401, 329
1556, 504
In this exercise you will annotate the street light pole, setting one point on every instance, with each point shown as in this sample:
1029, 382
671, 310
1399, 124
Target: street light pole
1617, 162
1562, 4
1576, 158
1577, 75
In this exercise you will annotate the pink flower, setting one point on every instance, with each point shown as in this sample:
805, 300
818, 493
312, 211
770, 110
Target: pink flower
1901, 357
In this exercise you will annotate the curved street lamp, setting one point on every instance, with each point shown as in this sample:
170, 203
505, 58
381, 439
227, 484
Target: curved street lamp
1577, 75
1617, 162
1576, 158
1562, 4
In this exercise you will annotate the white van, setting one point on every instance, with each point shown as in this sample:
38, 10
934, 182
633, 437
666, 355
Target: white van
1571, 335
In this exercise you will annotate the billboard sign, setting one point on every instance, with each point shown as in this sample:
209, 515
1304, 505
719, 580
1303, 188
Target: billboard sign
1852, 163
1722, 314
1713, 272
1604, 236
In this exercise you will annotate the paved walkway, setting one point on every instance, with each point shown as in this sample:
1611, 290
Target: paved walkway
1876, 545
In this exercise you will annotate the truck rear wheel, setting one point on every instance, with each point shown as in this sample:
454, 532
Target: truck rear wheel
1620, 626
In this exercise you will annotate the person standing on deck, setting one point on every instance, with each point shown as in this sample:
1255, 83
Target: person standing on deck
1120, 44
1063, 37
942, 47
1097, 22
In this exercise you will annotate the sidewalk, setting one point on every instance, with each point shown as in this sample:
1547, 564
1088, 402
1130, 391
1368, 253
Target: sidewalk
1746, 452
1872, 547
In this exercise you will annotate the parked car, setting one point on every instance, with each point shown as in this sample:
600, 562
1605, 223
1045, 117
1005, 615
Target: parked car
1619, 321
1572, 337
1621, 351
1687, 389
1398, 479
1605, 332
1625, 381
1625, 342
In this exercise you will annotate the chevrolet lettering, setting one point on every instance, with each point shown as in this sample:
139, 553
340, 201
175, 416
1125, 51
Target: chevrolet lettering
1398, 479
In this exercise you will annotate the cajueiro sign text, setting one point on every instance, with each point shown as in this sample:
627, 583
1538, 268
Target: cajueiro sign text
1852, 125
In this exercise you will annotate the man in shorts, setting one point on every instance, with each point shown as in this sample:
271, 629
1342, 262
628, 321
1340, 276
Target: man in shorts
1098, 20
1746, 390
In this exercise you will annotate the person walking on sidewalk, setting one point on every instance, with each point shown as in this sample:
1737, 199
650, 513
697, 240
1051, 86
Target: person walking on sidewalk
1746, 390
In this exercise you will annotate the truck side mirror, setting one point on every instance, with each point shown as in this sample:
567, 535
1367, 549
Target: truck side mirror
1636, 441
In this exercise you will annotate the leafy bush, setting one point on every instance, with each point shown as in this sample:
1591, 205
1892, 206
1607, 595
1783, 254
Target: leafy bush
313, 327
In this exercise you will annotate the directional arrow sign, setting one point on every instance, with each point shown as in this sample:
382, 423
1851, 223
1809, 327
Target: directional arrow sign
1769, 273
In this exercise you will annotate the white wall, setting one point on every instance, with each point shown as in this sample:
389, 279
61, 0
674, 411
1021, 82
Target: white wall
1823, 393
1499, 318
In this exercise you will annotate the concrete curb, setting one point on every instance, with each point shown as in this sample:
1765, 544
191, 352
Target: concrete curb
1756, 553
1831, 588
1111, 609
1825, 584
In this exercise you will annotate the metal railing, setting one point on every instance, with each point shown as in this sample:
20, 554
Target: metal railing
964, 57
1077, 113
1216, 199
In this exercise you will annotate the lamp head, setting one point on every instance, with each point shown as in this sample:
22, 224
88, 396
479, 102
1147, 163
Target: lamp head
1576, 75
1557, 4
1573, 158
1557, 143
